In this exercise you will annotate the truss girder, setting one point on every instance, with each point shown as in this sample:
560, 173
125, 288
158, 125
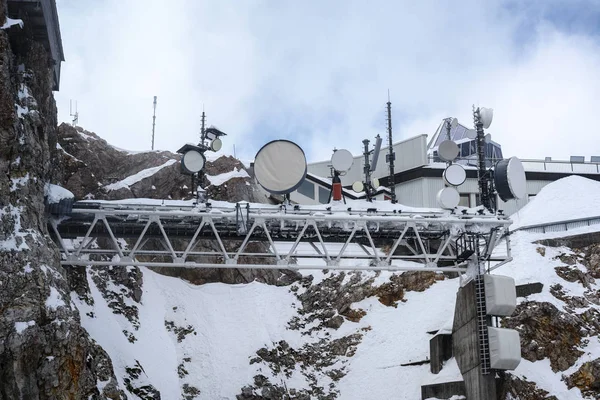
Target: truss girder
95, 237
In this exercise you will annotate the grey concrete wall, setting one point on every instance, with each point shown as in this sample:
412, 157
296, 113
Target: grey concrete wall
440, 350
443, 390
465, 346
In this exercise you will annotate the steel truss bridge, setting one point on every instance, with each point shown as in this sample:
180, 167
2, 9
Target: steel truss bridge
119, 234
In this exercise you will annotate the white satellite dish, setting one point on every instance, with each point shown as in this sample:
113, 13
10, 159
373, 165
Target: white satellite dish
342, 160
375, 183
488, 137
448, 150
193, 161
471, 133
280, 166
454, 123
485, 116
509, 179
448, 198
358, 186
216, 144
455, 175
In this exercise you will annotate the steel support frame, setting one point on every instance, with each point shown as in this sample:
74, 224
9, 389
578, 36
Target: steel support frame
87, 251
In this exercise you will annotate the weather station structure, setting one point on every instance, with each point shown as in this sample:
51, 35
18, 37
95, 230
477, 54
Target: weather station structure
449, 238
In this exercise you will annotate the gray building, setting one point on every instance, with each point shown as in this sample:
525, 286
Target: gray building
418, 173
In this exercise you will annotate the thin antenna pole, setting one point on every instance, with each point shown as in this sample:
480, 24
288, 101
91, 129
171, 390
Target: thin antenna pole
74, 115
391, 156
482, 175
202, 130
367, 170
153, 122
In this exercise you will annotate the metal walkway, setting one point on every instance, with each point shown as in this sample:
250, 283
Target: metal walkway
112, 233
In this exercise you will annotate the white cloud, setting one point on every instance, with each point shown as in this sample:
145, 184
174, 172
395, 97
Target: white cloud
318, 73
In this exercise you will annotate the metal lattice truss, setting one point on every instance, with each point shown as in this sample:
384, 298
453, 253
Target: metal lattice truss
291, 239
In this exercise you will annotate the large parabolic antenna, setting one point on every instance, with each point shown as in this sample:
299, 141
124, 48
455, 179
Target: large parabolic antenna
509, 179
280, 166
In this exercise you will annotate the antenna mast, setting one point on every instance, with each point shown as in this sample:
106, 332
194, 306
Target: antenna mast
202, 130
391, 156
153, 122
74, 115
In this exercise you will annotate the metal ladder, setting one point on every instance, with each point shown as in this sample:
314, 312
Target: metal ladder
482, 325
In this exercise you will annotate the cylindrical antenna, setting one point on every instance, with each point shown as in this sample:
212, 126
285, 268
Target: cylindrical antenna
391, 156
153, 122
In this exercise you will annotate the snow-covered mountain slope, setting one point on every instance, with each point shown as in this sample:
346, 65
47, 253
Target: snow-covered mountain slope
341, 336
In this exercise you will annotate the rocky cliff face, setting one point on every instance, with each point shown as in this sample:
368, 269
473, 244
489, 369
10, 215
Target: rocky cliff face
44, 351
91, 168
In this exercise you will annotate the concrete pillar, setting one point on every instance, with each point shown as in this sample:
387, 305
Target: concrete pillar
465, 346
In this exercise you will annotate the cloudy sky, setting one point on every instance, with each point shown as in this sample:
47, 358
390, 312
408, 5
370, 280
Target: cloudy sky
318, 72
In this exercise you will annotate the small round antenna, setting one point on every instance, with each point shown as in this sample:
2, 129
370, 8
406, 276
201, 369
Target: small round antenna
448, 198
454, 123
358, 186
455, 175
193, 161
488, 137
448, 150
471, 133
375, 183
342, 160
280, 166
216, 145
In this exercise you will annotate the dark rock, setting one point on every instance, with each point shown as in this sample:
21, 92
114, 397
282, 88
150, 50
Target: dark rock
587, 379
334, 322
546, 332
513, 387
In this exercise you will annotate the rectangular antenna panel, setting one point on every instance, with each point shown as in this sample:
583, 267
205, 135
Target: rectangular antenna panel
378, 141
505, 348
500, 295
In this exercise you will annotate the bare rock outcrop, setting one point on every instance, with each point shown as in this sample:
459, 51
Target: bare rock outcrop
44, 351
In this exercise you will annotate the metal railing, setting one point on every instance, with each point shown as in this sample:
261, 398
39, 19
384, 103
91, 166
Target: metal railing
560, 226
561, 166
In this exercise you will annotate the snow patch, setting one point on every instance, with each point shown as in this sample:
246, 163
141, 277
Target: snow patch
217, 180
133, 179
565, 199
56, 193
16, 183
54, 300
12, 22
21, 326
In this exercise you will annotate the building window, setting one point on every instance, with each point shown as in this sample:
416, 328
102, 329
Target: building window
323, 195
464, 200
307, 189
